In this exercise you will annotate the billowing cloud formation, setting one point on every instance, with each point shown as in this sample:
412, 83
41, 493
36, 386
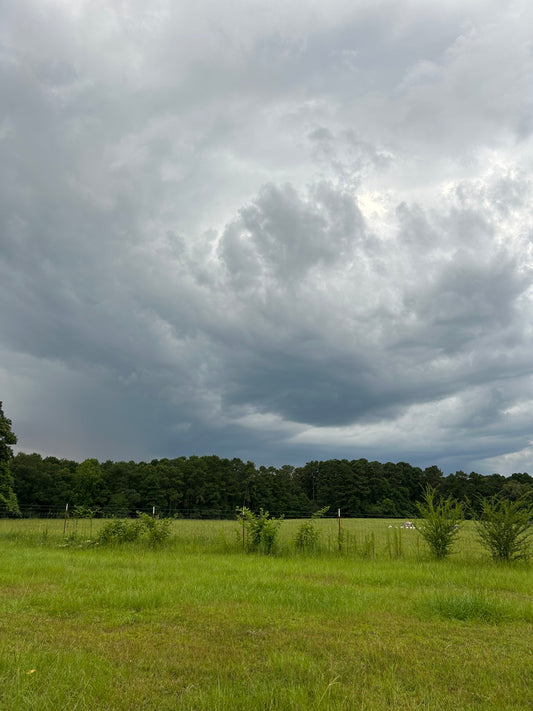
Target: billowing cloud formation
272, 231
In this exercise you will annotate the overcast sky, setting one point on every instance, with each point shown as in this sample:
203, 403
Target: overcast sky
280, 231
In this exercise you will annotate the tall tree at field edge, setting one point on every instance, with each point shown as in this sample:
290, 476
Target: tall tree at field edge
8, 498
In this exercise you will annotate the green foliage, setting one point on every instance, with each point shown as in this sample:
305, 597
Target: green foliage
156, 530
117, 531
440, 521
88, 484
211, 487
504, 527
261, 530
8, 498
84, 512
307, 536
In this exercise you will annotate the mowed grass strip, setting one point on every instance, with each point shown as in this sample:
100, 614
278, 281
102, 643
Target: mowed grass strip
201, 625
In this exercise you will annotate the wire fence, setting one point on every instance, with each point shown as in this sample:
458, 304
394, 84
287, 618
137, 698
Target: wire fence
219, 514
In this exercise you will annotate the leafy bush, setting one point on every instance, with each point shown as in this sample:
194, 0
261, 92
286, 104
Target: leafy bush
440, 521
116, 531
504, 527
261, 529
84, 512
156, 530
307, 536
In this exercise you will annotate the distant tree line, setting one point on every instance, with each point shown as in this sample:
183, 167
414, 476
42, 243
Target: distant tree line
212, 487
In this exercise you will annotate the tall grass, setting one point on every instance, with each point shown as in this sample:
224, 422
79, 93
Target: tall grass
366, 538
199, 624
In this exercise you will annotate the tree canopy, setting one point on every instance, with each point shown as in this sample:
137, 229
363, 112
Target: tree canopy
8, 499
212, 487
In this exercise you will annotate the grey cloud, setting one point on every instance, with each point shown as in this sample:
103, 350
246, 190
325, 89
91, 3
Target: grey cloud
56, 72
459, 296
285, 235
477, 92
473, 295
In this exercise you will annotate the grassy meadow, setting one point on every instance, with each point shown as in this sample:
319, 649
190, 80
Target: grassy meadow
199, 624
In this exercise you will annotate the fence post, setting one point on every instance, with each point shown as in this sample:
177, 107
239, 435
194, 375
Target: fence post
339, 517
65, 521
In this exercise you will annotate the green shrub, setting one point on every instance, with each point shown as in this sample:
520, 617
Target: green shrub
504, 527
84, 512
440, 521
156, 530
307, 536
260, 529
116, 531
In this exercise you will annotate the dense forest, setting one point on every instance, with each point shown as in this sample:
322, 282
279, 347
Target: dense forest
209, 487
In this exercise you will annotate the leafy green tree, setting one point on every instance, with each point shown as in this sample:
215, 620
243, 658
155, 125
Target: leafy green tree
432, 476
504, 527
8, 498
456, 485
440, 521
121, 481
517, 486
89, 484
42, 485
261, 530
401, 479
27, 472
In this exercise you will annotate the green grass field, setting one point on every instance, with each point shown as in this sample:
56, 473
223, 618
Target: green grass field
198, 624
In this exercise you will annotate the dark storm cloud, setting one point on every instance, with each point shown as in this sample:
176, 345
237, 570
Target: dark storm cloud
273, 232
